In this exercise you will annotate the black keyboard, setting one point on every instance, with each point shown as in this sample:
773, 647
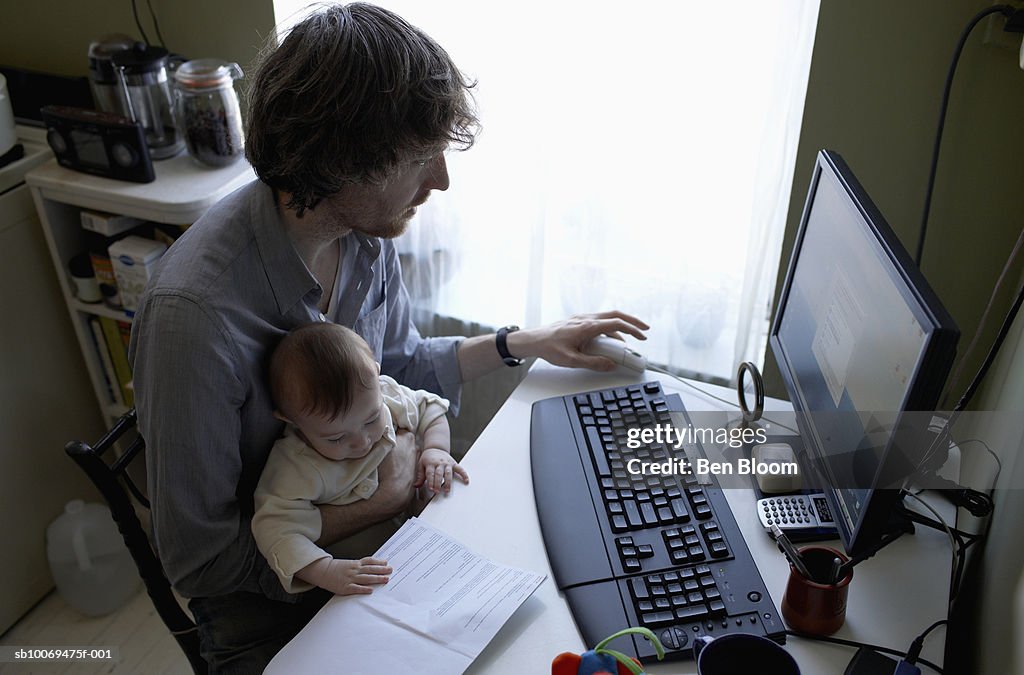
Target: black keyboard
627, 549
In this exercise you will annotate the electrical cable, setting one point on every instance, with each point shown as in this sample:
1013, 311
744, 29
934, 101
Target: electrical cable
852, 643
954, 542
1005, 10
710, 395
138, 24
984, 316
999, 464
156, 24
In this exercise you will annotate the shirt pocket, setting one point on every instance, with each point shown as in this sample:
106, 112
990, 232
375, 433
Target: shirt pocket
372, 326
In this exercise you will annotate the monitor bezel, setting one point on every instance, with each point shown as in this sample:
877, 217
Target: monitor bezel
928, 379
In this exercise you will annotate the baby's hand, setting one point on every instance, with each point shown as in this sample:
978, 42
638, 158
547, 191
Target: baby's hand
354, 577
437, 467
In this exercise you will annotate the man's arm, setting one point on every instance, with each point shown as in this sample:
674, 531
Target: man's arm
394, 492
188, 397
558, 343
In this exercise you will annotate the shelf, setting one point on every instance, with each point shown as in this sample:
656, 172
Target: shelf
99, 309
181, 193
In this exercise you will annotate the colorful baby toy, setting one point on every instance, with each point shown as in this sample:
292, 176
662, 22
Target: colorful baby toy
601, 661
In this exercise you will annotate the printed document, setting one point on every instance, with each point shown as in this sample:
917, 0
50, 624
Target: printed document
441, 607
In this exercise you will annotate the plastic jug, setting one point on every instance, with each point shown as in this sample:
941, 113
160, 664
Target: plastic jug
91, 565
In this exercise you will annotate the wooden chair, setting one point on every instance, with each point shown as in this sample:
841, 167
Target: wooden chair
118, 489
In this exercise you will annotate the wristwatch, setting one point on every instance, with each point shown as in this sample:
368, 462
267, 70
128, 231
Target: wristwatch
502, 344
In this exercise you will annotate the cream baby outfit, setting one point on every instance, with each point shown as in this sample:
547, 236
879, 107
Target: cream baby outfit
296, 478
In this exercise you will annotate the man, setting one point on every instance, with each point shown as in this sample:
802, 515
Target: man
348, 123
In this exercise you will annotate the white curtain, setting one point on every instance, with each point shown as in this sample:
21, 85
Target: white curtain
634, 156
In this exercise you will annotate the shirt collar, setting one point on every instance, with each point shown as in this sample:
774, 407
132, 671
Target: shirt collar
289, 278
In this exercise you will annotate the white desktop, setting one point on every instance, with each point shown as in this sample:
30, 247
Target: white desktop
894, 596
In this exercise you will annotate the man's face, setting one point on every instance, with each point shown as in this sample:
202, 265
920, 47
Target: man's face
385, 211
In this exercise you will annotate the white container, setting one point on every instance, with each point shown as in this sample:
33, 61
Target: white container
91, 565
8, 134
133, 259
108, 224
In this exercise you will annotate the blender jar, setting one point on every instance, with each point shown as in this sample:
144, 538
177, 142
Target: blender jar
207, 108
106, 90
142, 72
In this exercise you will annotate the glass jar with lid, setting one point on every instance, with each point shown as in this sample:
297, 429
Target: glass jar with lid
208, 111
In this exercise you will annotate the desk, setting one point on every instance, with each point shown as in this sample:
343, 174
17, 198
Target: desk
893, 597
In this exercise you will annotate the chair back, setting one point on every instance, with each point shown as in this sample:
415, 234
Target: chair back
116, 486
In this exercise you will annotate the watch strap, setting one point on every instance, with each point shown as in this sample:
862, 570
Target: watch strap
501, 342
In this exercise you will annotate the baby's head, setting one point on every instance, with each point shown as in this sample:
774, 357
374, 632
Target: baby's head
324, 380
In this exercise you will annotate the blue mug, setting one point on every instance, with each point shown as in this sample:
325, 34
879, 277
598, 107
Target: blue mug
742, 654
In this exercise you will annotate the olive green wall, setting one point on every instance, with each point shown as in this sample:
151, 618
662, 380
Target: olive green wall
876, 80
54, 35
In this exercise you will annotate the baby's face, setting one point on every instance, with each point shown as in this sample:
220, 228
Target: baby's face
348, 436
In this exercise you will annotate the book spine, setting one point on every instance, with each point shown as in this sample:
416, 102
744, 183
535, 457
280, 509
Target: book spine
100, 340
119, 357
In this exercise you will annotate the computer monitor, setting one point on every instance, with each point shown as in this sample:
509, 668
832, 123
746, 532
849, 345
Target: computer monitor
861, 341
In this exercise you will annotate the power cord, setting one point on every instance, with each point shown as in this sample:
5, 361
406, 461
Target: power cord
858, 645
1007, 11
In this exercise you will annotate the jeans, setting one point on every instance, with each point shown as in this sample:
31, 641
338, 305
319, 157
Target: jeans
241, 632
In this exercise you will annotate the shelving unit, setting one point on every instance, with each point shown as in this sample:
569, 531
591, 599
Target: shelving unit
181, 193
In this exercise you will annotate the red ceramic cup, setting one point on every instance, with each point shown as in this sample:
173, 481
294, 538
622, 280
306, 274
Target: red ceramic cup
812, 607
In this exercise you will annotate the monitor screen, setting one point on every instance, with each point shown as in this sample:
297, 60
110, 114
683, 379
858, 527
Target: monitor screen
861, 340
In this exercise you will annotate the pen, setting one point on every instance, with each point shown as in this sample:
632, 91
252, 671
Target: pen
837, 565
782, 541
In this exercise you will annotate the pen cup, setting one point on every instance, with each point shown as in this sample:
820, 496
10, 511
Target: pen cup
812, 607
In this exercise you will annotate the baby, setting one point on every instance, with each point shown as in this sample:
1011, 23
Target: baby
342, 415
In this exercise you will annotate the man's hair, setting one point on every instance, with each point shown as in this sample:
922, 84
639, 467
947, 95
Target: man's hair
320, 369
352, 92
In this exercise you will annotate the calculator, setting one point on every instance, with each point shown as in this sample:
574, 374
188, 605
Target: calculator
796, 512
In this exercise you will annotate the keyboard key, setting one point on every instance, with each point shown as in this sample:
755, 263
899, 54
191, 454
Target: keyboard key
665, 516
678, 557
707, 582
679, 601
694, 612
717, 607
719, 550
660, 618
695, 598
649, 515
645, 606
712, 593
614, 508
632, 565
679, 510
597, 452
691, 585
674, 588
645, 551
662, 603
619, 524
633, 514
639, 589
703, 511
658, 591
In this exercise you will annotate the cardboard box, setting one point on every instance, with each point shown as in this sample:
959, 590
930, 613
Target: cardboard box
108, 224
133, 259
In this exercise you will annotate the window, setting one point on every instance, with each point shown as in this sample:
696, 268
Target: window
635, 157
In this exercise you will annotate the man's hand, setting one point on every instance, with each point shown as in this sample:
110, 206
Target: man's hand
396, 475
346, 577
394, 493
560, 343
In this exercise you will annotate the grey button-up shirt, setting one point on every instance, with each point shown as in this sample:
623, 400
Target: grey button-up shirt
221, 298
